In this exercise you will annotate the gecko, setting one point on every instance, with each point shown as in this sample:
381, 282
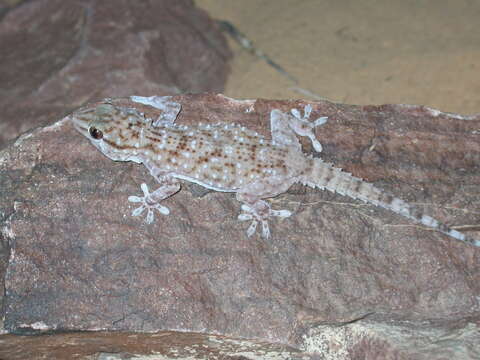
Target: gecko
228, 157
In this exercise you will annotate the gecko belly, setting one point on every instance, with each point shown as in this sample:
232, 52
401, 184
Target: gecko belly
204, 184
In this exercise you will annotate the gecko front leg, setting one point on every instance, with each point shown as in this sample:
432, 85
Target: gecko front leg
169, 109
151, 201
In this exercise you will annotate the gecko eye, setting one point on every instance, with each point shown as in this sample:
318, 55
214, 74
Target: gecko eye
95, 133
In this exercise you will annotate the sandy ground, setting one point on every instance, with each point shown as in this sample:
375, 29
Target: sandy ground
358, 52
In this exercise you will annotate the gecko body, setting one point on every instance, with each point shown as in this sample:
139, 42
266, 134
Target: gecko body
228, 157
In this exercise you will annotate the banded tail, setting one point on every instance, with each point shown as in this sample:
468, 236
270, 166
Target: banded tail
325, 176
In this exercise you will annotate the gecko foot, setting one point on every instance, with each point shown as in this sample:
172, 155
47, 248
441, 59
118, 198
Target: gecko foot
259, 213
304, 127
149, 202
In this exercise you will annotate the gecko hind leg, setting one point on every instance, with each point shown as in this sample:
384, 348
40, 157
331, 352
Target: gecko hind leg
151, 201
259, 212
285, 126
302, 126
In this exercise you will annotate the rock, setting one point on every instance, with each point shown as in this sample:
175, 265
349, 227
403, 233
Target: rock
57, 55
360, 340
79, 261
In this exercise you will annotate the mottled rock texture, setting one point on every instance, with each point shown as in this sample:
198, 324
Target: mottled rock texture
79, 261
56, 55
338, 280
361, 340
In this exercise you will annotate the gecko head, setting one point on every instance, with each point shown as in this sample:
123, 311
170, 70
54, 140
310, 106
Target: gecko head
116, 132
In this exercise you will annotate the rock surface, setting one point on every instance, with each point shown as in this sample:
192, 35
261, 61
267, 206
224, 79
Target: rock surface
364, 340
57, 55
338, 280
79, 261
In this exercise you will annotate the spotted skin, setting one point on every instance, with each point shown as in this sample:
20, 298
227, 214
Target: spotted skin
227, 157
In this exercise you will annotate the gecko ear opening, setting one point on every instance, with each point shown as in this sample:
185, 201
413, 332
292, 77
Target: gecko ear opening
95, 133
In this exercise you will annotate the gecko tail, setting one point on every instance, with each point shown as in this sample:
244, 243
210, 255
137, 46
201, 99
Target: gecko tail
325, 176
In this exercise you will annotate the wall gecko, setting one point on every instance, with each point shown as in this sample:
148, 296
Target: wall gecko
230, 158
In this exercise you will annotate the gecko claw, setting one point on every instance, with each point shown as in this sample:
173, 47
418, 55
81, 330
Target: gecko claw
251, 229
281, 213
148, 204
251, 213
320, 121
253, 226
306, 128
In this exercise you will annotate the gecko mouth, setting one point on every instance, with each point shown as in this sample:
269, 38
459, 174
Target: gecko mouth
79, 125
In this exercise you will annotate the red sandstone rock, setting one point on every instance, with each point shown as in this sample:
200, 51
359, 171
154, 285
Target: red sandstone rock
56, 55
79, 261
